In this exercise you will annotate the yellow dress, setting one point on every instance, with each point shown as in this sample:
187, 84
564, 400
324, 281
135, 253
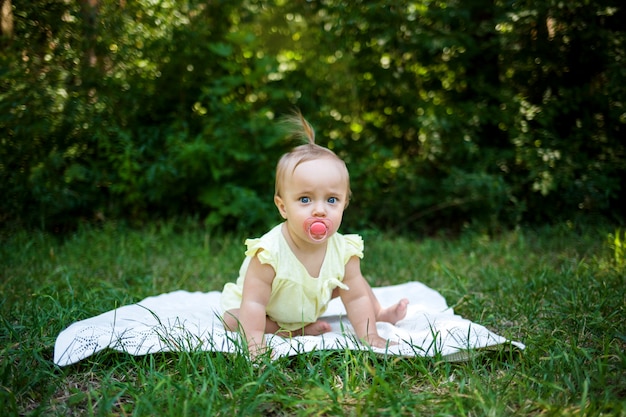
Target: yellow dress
297, 298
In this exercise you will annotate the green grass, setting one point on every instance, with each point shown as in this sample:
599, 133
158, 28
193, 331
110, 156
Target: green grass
560, 290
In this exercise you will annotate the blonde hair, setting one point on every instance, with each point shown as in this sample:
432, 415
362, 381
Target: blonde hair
298, 126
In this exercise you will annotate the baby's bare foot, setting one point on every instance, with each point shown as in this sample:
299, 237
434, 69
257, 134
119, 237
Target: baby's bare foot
313, 329
394, 313
317, 328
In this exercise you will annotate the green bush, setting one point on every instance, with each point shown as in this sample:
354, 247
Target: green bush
448, 114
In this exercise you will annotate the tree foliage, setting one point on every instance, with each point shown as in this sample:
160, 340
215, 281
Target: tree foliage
447, 112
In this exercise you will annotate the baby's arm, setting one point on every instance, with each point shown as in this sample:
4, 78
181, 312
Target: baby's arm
257, 287
360, 304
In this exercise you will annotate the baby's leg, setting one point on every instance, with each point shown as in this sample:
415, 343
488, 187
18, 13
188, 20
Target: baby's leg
392, 314
231, 322
312, 329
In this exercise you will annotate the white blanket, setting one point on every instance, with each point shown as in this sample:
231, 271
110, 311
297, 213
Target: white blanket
184, 321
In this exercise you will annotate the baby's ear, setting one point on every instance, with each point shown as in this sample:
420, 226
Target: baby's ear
281, 206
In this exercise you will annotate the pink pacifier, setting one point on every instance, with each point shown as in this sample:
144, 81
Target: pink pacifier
317, 229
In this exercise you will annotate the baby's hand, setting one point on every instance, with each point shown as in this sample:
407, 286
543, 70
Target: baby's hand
256, 351
376, 341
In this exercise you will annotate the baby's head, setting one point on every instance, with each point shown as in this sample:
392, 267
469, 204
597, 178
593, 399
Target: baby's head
310, 151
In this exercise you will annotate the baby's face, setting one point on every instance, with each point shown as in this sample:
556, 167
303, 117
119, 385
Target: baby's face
313, 199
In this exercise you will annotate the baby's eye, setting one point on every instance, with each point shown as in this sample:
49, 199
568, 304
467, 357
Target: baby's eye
332, 200
305, 200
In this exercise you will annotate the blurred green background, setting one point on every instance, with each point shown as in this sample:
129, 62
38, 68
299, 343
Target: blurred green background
450, 114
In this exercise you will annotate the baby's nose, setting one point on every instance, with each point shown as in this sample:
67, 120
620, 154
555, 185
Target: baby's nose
319, 210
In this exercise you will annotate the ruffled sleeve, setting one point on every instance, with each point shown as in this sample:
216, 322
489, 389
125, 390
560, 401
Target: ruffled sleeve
353, 247
259, 247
